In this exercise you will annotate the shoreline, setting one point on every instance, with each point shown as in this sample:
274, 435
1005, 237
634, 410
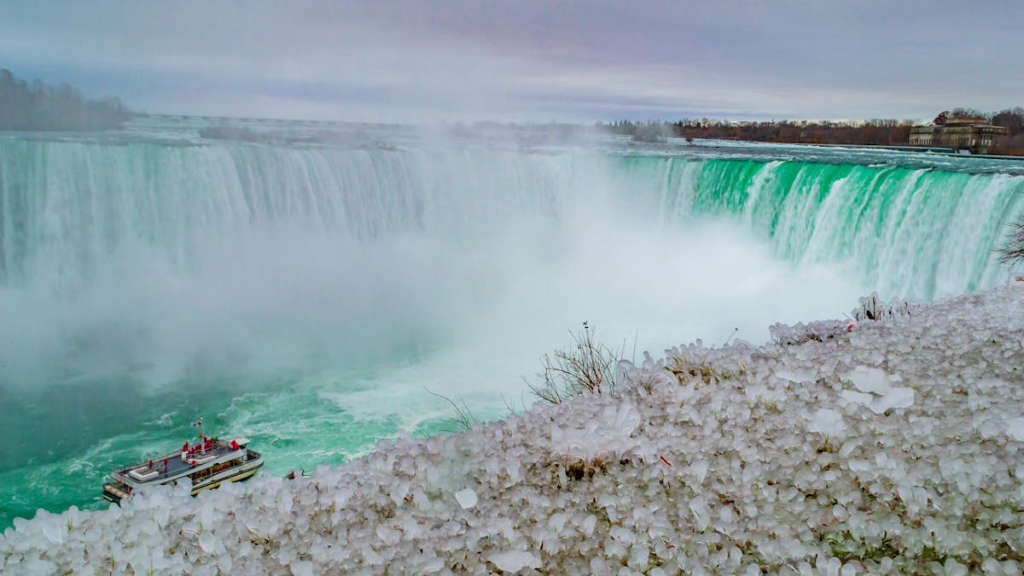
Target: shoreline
895, 446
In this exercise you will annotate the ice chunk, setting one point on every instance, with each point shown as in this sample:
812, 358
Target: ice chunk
828, 422
513, 561
388, 536
954, 568
701, 513
796, 375
466, 498
876, 390
871, 380
699, 470
1015, 429
302, 568
609, 433
589, 524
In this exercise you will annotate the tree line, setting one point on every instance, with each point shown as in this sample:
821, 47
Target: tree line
40, 106
879, 132
1013, 121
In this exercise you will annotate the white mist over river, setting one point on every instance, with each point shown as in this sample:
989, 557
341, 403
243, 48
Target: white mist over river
308, 294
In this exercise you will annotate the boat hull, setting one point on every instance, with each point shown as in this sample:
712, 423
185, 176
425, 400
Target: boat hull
239, 474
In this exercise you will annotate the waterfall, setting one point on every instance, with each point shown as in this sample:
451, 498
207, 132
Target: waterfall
193, 259
68, 207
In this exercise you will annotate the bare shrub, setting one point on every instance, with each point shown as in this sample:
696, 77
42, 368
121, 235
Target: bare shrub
871, 308
1013, 253
464, 418
585, 366
685, 369
817, 331
874, 308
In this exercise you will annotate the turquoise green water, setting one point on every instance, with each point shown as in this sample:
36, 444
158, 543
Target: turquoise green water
309, 297
69, 438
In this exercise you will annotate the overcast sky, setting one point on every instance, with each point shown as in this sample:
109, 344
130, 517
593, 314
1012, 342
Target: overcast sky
525, 59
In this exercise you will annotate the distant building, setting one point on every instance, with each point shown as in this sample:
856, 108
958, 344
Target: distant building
974, 134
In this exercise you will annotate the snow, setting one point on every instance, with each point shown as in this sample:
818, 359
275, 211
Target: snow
896, 446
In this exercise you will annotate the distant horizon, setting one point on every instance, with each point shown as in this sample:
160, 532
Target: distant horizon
667, 120
408, 62
471, 121
682, 117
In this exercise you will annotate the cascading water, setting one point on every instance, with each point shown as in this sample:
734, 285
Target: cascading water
307, 295
910, 233
68, 207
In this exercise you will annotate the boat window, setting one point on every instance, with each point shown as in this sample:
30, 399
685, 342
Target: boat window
202, 475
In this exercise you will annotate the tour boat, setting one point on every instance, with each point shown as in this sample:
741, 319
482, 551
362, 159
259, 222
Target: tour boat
204, 465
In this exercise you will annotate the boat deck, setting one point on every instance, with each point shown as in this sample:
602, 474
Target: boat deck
173, 466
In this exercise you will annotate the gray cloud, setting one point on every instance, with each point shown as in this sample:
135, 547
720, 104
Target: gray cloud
409, 61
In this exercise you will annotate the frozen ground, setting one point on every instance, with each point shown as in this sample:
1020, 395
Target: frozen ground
897, 446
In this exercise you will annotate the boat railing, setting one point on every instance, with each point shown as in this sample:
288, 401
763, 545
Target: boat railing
163, 462
156, 461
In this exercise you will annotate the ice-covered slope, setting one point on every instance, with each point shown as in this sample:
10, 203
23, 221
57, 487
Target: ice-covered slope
896, 446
